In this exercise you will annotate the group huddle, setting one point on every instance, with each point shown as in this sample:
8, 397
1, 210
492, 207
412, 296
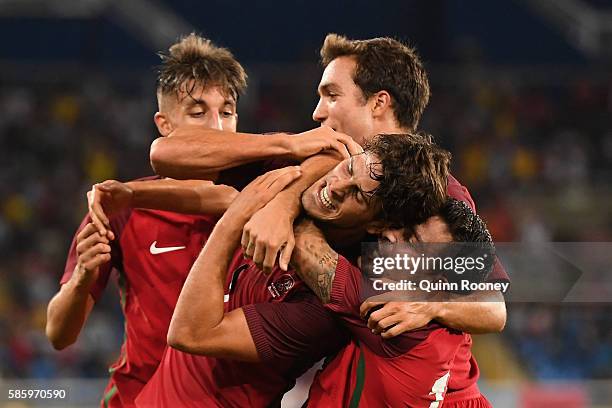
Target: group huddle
239, 265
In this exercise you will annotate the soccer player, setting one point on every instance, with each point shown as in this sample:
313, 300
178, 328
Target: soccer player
199, 84
291, 331
290, 336
152, 251
413, 369
424, 367
368, 87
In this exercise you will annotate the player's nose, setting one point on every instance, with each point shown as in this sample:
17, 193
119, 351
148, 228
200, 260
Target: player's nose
338, 188
215, 121
320, 112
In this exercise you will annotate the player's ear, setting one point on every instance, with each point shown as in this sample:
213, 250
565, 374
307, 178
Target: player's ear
164, 127
381, 103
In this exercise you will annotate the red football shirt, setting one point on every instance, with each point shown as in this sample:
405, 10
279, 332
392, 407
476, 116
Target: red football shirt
408, 370
151, 278
152, 254
290, 329
415, 369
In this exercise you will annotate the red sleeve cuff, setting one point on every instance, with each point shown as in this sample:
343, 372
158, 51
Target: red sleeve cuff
257, 332
342, 282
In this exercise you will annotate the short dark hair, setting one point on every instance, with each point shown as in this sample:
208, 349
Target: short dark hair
196, 61
385, 64
413, 180
467, 227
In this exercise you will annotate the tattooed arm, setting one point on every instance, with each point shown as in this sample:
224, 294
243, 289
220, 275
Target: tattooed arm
314, 260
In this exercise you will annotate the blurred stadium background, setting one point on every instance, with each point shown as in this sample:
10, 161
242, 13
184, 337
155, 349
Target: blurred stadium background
522, 96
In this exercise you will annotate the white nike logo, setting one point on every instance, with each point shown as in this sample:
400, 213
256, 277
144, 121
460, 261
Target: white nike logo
155, 250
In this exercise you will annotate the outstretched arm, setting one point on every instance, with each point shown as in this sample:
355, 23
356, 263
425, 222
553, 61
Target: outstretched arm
199, 324
476, 313
194, 152
183, 196
315, 262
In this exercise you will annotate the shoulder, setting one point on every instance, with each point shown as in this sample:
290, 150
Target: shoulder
458, 191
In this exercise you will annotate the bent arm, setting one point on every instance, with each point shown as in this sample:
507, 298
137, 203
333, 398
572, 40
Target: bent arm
476, 313
67, 313
199, 324
314, 260
195, 152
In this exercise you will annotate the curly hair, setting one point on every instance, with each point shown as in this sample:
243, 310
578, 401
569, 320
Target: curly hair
385, 64
195, 61
413, 178
471, 231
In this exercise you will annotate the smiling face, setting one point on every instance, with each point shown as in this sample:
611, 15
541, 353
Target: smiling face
342, 105
342, 197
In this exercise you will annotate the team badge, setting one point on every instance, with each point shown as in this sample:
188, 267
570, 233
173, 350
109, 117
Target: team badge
281, 286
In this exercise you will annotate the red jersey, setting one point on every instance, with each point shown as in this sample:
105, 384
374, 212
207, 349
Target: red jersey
152, 253
415, 369
408, 370
291, 332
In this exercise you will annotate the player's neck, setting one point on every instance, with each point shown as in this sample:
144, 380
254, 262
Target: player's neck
389, 126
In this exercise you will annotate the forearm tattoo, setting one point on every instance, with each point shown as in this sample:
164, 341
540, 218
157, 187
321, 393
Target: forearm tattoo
315, 262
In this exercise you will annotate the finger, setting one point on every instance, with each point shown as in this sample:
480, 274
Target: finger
259, 253
97, 212
284, 179
285, 254
96, 261
394, 331
270, 258
110, 235
250, 248
377, 316
272, 175
269, 177
89, 241
244, 241
86, 231
97, 205
90, 253
366, 306
386, 323
351, 146
91, 198
340, 148
106, 186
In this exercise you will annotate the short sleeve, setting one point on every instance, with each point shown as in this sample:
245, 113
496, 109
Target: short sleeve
117, 223
346, 288
459, 192
299, 329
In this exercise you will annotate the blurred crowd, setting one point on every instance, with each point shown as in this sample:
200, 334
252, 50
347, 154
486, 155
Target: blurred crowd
534, 154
